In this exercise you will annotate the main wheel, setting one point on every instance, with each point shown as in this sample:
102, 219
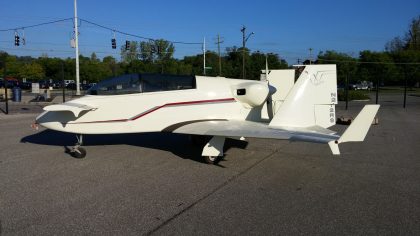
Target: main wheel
79, 152
212, 159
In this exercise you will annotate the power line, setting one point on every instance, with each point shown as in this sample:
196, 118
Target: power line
36, 25
97, 25
372, 62
134, 35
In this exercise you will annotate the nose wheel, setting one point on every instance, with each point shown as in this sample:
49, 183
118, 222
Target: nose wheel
77, 151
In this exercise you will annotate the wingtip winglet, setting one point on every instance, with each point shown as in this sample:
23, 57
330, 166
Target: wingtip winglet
360, 126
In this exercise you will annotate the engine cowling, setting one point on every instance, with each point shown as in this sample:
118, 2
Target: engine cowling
251, 94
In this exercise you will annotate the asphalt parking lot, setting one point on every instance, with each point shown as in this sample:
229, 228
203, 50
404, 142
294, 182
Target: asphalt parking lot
157, 184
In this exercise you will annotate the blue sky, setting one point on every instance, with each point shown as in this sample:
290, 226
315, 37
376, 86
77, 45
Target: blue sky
288, 28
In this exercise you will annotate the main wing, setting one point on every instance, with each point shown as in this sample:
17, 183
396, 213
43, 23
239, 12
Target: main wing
236, 128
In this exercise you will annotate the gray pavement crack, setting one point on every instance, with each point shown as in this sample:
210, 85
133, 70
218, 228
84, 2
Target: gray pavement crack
234, 177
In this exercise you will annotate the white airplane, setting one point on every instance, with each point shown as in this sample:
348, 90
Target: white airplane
276, 107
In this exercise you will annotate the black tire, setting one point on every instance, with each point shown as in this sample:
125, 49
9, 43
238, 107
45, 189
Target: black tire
79, 153
212, 159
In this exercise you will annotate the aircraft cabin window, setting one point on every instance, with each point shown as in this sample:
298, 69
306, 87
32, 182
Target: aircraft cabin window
142, 83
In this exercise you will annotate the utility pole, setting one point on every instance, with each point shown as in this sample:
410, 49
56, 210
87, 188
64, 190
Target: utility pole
244, 39
310, 56
62, 82
76, 39
243, 51
405, 87
218, 50
346, 90
204, 56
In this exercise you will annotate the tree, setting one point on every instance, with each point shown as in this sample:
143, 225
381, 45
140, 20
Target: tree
132, 53
159, 52
94, 58
110, 64
378, 66
346, 65
256, 63
406, 70
32, 71
395, 45
413, 35
411, 39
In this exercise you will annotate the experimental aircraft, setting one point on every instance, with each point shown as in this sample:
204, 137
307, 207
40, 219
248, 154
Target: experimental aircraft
279, 106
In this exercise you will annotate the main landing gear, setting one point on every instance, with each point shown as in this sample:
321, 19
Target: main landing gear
213, 147
213, 150
77, 151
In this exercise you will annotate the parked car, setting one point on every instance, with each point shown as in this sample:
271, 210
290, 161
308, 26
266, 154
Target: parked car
25, 85
364, 85
352, 86
69, 81
71, 86
85, 86
10, 84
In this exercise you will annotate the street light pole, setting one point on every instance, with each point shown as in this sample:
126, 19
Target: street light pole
76, 39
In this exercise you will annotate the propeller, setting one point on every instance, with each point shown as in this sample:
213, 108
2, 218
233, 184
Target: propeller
271, 90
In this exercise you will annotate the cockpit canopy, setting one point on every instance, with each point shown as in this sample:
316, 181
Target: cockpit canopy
142, 83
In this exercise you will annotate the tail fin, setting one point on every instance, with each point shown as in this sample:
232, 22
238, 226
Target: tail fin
312, 100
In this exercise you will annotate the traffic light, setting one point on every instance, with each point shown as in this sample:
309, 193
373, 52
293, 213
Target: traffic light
17, 39
114, 43
127, 45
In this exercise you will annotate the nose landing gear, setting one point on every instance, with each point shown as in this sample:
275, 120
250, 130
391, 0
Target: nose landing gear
77, 151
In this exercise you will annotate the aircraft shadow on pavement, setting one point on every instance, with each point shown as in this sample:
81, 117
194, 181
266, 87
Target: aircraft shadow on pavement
179, 144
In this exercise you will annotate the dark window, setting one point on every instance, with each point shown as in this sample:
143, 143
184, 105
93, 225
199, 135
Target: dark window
240, 92
142, 83
156, 82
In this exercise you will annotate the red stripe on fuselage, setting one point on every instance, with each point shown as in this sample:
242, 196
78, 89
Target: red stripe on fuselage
159, 107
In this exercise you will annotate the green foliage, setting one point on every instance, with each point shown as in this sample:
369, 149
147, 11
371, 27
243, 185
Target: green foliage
32, 70
411, 40
408, 71
346, 65
353, 95
383, 72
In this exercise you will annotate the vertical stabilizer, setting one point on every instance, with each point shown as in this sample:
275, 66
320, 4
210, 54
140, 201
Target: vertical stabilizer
312, 100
